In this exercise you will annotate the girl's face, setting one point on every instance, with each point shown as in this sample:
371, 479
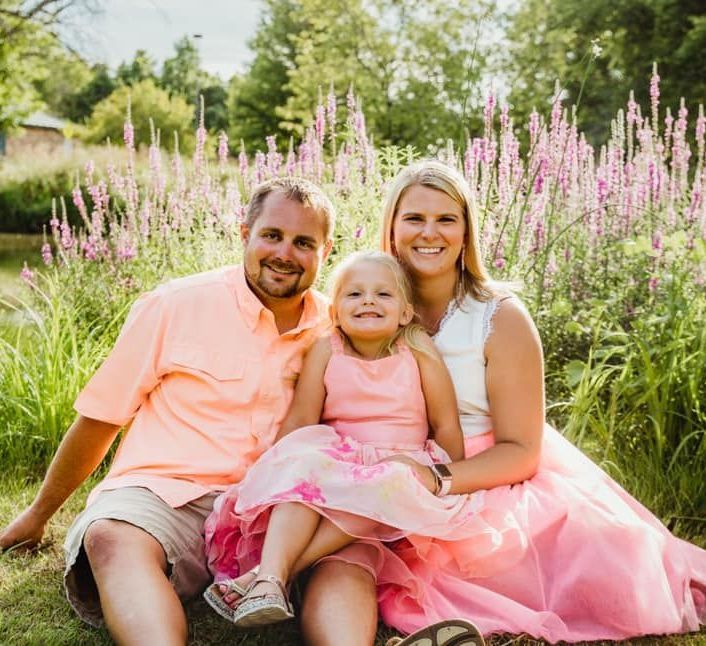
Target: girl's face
428, 232
369, 305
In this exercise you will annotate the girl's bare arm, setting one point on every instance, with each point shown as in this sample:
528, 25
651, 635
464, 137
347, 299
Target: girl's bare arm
309, 393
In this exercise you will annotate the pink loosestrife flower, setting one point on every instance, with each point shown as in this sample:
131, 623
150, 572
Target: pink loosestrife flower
129, 135
260, 167
243, 164
320, 123
222, 148
654, 98
274, 158
331, 111
47, 256
27, 274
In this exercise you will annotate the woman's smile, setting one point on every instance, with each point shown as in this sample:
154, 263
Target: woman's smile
428, 231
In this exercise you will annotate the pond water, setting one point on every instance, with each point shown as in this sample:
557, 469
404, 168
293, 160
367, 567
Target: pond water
15, 249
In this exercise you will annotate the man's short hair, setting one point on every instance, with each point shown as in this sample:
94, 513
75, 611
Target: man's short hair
298, 189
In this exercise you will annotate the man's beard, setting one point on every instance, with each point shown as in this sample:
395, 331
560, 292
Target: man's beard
275, 290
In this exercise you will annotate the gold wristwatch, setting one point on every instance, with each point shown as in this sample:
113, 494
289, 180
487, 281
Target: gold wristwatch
443, 478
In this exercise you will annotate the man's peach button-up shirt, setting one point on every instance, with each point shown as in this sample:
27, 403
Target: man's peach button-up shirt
203, 379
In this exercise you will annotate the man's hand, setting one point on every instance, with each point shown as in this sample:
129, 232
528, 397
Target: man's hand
423, 473
25, 531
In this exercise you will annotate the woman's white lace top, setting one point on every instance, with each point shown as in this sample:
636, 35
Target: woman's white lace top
461, 341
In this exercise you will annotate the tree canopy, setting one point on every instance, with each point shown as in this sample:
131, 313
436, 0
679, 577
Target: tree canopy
413, 65
552, 39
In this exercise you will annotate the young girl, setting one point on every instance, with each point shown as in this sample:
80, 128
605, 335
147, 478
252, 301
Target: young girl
378, 386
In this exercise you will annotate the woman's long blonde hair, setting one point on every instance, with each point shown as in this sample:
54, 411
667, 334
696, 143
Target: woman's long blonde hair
411, 332
473, 278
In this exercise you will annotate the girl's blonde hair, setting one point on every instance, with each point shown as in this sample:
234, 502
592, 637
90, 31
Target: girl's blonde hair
473, 278
411, 332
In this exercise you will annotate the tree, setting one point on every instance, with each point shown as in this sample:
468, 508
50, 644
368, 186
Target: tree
183, 76
28, 30
141, 67
181, 73
552, 39
60, 89
252, 97
412, 64
147, 101
101, 85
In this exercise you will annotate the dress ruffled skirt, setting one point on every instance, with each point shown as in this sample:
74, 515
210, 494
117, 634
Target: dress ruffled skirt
345, 481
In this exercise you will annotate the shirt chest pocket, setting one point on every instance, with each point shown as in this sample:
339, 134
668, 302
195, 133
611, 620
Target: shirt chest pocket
218, 379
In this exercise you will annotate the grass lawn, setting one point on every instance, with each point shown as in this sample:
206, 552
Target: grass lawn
33, 609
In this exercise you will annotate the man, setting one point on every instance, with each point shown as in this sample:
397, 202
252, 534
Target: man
201, 377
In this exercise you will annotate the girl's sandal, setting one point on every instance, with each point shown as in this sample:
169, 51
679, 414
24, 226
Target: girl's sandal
263, 609
214, 596
454, 632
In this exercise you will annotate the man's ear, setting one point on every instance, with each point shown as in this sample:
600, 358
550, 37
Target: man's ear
244, 233
328, 246
407, 315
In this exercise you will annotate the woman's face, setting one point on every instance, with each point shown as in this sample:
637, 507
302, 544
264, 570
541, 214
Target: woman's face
428, 232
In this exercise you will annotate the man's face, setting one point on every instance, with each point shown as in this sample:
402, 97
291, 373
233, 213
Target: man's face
284, 248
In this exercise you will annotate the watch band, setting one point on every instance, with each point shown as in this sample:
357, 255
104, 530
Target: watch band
444, 476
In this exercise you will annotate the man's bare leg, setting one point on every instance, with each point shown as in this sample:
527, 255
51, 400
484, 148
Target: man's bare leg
139, 603
340, 606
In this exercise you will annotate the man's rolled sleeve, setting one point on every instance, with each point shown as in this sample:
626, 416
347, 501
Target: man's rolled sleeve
132, 369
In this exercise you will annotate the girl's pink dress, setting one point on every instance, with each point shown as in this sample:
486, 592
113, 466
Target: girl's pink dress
565, 556
373, 409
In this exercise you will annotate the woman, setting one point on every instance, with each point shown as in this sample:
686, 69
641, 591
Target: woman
566, 554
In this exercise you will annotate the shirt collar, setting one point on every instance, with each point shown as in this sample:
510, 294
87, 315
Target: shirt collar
315, 305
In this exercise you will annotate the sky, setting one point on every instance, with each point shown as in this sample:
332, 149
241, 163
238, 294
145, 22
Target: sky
120, 27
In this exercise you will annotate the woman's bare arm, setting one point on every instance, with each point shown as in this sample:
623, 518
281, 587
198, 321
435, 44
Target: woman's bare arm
515, 383
440, 397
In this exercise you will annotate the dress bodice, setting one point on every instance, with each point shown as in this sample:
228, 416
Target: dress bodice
379, 401
461, 341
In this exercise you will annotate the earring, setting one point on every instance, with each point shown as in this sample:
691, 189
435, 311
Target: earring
463, 260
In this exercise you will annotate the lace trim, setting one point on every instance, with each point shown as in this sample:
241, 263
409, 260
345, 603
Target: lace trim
450, 311
488, 314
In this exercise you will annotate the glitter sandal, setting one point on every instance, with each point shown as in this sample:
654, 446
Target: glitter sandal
263, 609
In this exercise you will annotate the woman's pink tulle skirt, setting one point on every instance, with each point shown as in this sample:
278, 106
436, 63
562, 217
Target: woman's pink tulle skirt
577, 559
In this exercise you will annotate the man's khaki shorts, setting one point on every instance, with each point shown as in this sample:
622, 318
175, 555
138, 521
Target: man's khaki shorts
179, 531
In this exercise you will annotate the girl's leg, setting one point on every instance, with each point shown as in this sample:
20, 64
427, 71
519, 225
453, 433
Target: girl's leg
289, 531
329, 538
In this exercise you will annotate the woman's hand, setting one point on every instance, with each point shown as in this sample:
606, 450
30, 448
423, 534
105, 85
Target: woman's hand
422, 472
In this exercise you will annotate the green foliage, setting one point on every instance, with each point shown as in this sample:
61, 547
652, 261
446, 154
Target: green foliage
60, 89
182, 76
253, 96
141, 68
100, 86
19, 68
181, 73
414, 85
550, 40
637, 402
147, 102
27, 188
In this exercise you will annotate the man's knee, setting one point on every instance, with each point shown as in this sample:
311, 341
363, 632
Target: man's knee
339, 604
108, 542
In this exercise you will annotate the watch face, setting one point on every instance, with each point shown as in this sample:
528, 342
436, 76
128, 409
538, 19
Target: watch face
443, 470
